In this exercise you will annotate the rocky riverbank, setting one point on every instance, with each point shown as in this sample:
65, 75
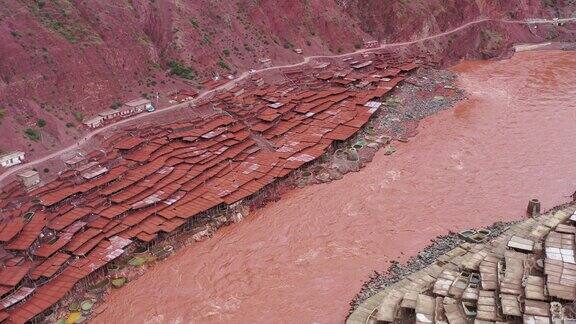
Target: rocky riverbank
422, 94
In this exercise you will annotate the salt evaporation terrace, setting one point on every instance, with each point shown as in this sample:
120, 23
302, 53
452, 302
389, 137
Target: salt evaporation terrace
150, 181
524, 275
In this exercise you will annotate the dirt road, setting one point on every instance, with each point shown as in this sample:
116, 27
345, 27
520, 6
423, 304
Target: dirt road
87, 137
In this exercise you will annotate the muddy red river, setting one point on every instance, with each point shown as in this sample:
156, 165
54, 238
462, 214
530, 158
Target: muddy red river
302, 259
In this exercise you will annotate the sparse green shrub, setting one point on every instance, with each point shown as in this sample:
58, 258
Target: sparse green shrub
56, 25
79, 116
194, 23
492, 39
41, 122
117, 104
206, 40
178, 68
32, 134
223, 64
69, 32
226, 52
549, 3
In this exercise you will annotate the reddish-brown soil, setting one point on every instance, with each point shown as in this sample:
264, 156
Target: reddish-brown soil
63, 60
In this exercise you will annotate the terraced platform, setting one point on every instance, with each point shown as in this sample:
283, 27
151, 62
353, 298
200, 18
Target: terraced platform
152, 180
527, 274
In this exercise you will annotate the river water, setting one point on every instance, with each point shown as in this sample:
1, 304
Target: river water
303, 258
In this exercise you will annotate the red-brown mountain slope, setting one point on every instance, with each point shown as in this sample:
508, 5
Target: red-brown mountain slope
62, 60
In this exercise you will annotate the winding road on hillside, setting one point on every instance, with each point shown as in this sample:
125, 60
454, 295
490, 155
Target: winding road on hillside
229, 85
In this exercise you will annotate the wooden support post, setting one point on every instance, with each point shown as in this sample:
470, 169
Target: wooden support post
533, 208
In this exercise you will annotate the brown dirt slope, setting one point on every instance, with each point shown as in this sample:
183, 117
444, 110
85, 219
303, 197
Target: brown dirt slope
62, 60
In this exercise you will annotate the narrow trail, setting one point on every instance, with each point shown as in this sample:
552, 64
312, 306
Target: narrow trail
87, 137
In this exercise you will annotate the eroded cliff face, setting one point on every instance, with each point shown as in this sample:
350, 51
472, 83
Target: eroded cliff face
62, 60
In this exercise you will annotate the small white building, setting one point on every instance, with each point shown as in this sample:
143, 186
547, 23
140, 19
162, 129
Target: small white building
9, 159
137, 105
109, 114
75, 160
94, 122
371, 44
130, 108
29, 178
